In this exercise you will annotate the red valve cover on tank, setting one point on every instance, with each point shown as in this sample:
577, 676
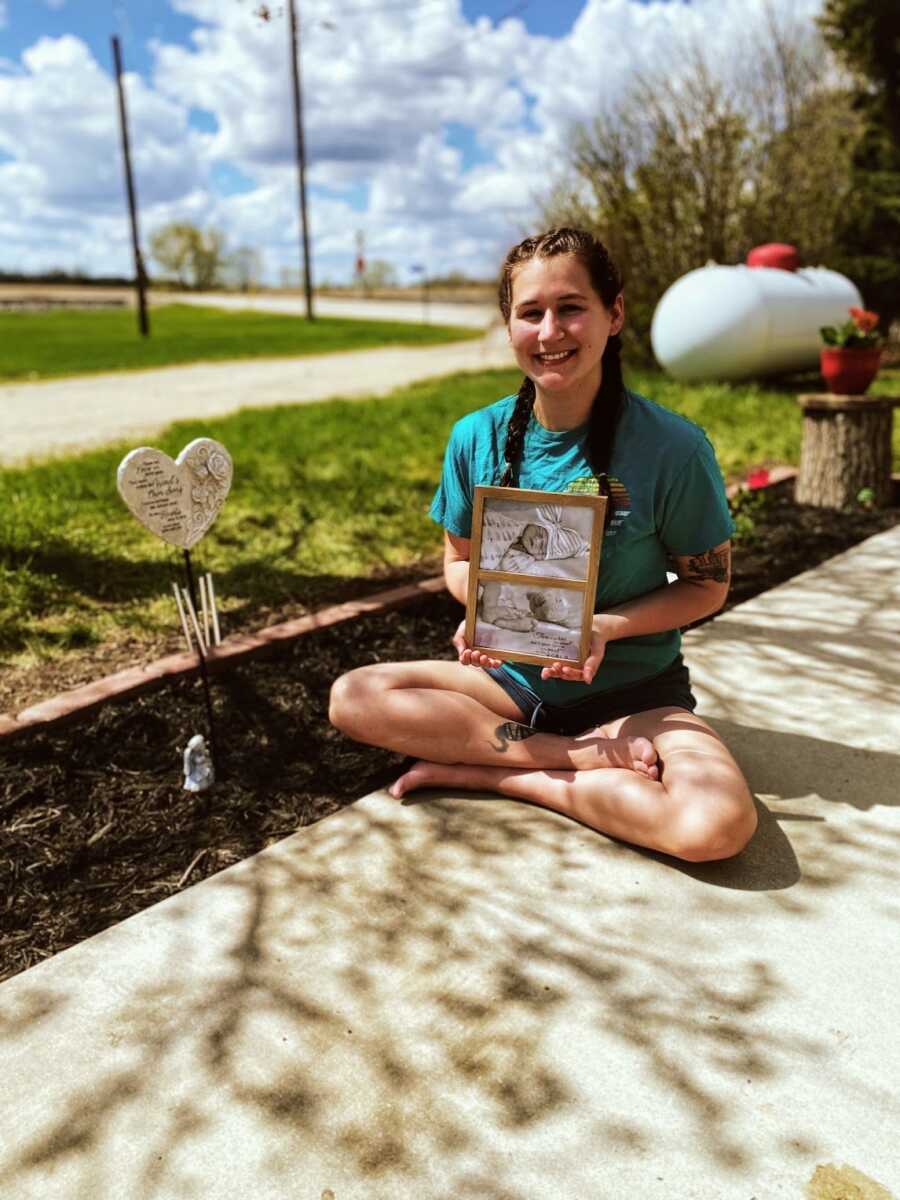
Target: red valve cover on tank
774, 254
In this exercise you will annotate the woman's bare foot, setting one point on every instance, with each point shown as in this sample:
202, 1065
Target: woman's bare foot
628, 753
427, 774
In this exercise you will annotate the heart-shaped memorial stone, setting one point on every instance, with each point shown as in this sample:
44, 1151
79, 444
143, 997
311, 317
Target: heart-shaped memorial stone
178, 501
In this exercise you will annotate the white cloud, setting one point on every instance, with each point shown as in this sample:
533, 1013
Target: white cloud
380, 89
60, 116
614, 39
372, 88
378, 92
59, 123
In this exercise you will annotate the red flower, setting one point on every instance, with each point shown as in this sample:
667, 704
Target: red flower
758, 478
864, 320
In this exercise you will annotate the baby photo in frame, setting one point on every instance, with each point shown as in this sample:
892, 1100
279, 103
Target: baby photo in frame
533, 574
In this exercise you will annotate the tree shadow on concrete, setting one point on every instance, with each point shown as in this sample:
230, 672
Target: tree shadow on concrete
849, 648
810, 776
403, 994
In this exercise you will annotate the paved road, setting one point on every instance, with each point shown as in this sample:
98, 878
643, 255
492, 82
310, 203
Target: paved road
58, 416
472, 316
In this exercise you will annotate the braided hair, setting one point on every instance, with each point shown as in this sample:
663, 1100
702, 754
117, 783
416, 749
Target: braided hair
607, 283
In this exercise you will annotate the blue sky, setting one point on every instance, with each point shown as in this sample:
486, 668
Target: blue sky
138, 21
434, 127
141, 23
135, 21
553, 18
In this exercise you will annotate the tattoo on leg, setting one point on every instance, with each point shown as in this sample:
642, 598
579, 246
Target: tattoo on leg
713, 565
511, 731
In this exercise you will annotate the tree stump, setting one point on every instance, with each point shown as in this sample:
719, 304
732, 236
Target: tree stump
846, 447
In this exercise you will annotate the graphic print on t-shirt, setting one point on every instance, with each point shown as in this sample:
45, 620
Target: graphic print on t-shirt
619, 500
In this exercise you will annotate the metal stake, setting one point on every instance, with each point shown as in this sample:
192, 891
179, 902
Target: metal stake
201, 658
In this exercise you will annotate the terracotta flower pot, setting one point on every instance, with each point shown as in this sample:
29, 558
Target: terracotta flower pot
848, 370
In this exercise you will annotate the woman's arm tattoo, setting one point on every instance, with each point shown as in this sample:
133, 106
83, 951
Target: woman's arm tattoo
511, 731
714, 564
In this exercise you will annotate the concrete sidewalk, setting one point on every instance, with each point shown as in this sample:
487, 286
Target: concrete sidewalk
463, 998
65, 415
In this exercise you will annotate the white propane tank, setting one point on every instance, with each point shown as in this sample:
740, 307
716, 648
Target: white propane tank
736, 322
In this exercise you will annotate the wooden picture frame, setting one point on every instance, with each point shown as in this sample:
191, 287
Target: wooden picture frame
533, 574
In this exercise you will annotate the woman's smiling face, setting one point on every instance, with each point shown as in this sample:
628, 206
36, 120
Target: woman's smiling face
559, 326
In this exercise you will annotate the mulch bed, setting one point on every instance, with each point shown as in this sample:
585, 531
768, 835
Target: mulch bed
95, 825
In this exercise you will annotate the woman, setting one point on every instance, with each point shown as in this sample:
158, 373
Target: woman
615, 743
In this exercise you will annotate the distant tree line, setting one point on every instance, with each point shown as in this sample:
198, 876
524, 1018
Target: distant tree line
187, 256
200, 259
684, 170
76, 277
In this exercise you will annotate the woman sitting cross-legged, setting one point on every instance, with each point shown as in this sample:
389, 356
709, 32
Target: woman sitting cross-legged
614, 743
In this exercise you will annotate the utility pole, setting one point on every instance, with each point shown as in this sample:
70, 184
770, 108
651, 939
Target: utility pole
422, 269
301, 153
359, 270
140, 274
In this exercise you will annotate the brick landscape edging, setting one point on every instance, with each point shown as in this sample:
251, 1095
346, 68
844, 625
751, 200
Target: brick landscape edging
82, 701
776, 477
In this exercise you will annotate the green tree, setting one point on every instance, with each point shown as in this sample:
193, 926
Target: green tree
172, 248
208, 259
378, 274
194, 257
658, 179
803, 137
865, 37
705, 165
243, 268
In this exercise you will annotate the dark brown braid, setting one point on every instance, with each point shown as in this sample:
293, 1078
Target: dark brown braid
515, 430
605, 415
607, 283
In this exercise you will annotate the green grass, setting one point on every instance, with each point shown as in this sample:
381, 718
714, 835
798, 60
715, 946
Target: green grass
52, 344
750, 424
323, 494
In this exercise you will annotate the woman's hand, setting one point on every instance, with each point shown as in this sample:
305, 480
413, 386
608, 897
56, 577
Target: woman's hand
471, 658
586, 672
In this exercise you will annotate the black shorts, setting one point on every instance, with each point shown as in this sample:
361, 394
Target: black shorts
671, 688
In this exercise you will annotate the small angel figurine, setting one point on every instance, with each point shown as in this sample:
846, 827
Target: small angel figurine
198, 766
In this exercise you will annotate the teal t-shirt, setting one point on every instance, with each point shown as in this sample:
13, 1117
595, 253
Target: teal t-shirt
667, 495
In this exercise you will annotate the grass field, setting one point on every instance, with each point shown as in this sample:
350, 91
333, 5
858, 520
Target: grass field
48, 345
323, 493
